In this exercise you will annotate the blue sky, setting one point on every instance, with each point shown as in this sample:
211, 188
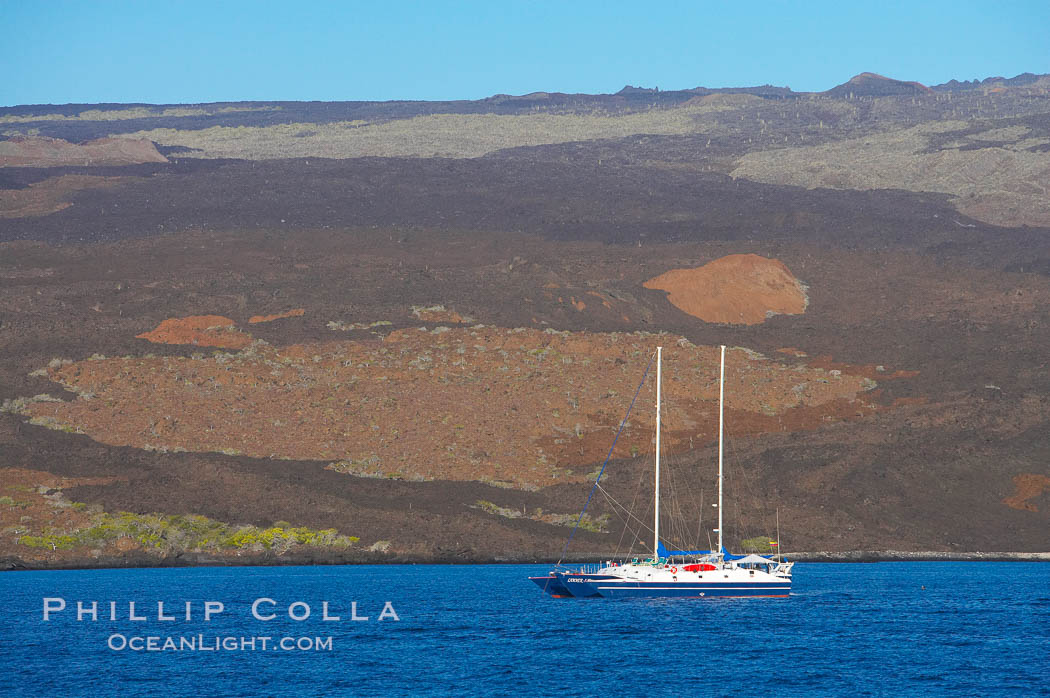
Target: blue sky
163, 51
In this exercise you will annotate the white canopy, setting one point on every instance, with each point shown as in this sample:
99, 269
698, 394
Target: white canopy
755, 559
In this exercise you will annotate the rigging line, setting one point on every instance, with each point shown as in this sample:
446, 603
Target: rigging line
694, 510
677, 484
621, 512
626, 527
683, 497
629, 550
680, 486
700, 518
741, 477
626, 511
642, 523
682, 502
683, 477
606, 462
634, 500
623, 533
732, 495
623, 519
673, 509
635, 540
739, 483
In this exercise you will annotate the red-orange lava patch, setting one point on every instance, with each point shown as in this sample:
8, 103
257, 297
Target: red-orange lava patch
741, 289
296, 312
199, 330
1027, 486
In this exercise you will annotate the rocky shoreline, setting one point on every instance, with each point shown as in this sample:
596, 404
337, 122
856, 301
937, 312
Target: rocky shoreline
923, 556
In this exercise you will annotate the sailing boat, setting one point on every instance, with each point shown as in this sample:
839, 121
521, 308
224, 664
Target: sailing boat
677, 573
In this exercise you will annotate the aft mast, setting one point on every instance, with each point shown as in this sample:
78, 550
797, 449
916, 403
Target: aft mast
656, 515
721, 433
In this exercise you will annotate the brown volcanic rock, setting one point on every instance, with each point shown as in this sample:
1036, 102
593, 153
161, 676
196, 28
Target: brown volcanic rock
48, 196
202, 330
30, 151
523, 407
740, 289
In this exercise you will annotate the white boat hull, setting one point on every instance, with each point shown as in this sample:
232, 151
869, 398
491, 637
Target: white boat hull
648, 581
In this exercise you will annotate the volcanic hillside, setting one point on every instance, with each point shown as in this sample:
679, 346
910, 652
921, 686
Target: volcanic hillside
874, 85
359, 331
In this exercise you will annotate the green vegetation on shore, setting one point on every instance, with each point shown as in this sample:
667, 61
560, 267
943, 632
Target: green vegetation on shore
169, 534
758, 544
587, 523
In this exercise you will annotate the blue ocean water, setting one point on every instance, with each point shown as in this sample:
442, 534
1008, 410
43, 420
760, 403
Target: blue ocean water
848, 629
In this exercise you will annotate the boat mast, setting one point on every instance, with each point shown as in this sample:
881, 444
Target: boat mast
656, 516
721, 432
778, 534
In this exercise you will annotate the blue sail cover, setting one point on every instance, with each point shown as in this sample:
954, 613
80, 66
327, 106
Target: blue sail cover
664, 552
